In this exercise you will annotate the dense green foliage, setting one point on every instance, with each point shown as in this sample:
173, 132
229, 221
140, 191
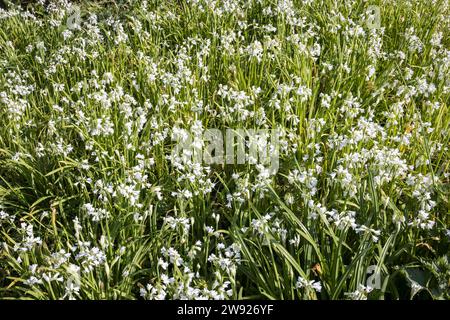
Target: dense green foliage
94, 204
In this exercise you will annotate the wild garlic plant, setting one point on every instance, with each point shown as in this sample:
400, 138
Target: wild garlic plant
94, 203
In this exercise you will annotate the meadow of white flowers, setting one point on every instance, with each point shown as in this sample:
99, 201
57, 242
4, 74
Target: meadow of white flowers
94, 98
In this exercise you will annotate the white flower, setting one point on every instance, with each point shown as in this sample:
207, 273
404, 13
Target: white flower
360, 293
97, 214
71, 289
5, 217
31, 281
313, 285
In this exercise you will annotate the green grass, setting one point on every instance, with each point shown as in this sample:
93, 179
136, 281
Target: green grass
91, 203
